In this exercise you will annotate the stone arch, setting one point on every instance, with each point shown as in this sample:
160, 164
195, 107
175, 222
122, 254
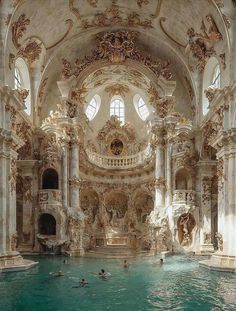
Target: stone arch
47, 224
50, 179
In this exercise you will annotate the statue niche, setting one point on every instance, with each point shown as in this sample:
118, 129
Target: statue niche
89, 205
116, 204
185, 225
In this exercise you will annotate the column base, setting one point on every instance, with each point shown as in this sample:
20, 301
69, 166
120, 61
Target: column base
76, 252
220, 262
207, 248
13, 261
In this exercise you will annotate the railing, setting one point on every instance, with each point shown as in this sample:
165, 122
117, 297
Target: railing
184, 197
49, 196
119, 162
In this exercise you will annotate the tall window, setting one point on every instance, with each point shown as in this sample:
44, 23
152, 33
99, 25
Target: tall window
215, 82
117, 108
22, 80
211, 80
93, 107
141, 107
18, 80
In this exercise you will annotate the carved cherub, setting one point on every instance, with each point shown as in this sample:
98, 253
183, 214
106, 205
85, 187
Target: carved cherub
211, 33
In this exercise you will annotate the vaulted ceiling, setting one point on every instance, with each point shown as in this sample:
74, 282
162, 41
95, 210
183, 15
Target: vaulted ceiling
45, 32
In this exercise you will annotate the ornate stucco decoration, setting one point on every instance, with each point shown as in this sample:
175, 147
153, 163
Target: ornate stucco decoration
116, 47
211, 93
31, 51
117, 89
220, 174
18, 29
200, 45
74, 182
42, 88
13, 175
114, 125
49, 151
158, 182
140, 3
164, 106
113, 16
23, 94
210, 130
68, 22
79, 94
206, 189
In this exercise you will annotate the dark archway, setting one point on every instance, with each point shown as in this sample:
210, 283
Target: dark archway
50, 179
47, 224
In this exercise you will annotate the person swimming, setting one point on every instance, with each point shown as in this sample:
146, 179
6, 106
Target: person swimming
161, 261
59, 273
83, 282
102, 274
126, 264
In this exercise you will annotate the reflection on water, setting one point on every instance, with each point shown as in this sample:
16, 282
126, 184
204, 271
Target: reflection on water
179, 284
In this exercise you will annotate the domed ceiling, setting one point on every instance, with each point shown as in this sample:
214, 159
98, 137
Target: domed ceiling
51, 35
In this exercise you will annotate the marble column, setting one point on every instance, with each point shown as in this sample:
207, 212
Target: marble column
225, 258
74, 174
206, 175
65, 176
159, 171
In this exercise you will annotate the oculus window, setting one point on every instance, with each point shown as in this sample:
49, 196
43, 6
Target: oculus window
93, 107
141, 107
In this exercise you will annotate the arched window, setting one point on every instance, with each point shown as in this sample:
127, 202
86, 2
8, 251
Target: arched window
50, 179
215, 81
93, 107
18, 79
47, 224
22, 81
117, 108
211, 79
141, 107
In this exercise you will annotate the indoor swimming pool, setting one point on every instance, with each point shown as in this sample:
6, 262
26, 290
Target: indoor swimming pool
178, 284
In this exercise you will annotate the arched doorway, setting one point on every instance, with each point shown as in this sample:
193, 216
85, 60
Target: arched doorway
50, 179
47, 224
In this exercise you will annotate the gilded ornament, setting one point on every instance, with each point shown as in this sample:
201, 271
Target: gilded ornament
31, 52
112, 16
140, 3
23, 94
199, 44
117, 89
18, 29
116, 47
42, 89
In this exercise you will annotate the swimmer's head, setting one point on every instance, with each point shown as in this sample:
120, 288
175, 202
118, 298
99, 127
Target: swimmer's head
103, 271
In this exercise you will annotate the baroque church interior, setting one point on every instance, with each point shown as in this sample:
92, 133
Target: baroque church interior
117, 129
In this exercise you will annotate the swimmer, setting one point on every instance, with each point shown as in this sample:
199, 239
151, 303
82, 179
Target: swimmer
83, 282
102, 274
59, 273
65, 262
125, 264
161, 261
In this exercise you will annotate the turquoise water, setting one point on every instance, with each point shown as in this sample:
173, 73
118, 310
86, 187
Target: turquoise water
179, 284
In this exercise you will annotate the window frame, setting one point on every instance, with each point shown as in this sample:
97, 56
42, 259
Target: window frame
117, 108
